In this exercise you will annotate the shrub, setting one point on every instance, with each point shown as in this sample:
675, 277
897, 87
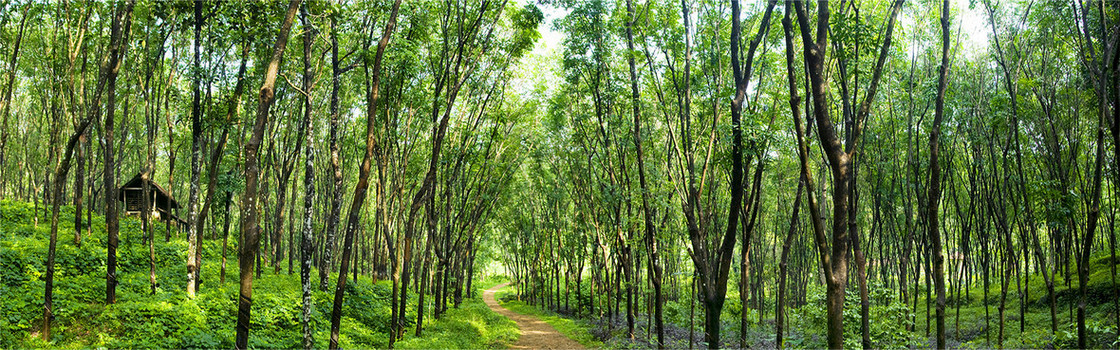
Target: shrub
888, 317
167, 319
472, 326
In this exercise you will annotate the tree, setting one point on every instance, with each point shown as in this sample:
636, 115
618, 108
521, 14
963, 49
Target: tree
325, 264
250, 231
935, 178
840, 156
647, 212
6, 100
306, 248
194, 235
59, 182
736, 212
805, 180
118, 45
1103, 64
363, 175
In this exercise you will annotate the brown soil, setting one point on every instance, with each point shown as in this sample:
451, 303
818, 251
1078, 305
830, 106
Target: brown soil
535, 334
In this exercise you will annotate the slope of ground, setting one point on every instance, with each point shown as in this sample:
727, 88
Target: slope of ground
169, 319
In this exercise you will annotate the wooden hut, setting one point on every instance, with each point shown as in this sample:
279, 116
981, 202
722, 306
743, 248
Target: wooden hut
132, 194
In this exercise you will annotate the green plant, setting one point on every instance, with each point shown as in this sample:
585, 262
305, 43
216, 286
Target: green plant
472, 326
889, 319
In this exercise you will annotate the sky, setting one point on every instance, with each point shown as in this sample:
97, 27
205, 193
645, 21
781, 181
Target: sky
550, 38
974, 25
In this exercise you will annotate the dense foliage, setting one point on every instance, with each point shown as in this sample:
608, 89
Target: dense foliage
646, 173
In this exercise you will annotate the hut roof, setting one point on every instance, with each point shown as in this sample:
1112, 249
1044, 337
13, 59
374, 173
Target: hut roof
162, 197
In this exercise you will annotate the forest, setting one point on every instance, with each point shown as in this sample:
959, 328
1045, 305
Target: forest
444, 174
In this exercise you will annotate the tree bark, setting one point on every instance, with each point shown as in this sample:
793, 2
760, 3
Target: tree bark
353, 219
250, 229
117, 47
306, 249
194, 237
934, 196
59, 182
651, 234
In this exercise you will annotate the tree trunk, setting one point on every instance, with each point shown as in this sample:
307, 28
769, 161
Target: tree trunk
225, 236
306, 249
805, 181
783, 263
426, 269
651, 235
194, 237
841, 157
326, 263
714, 272
117, 48
6, 101
353, 221
79, 187
1085, 264
146, 220
935, 179
59, 182
218, 151
250, 229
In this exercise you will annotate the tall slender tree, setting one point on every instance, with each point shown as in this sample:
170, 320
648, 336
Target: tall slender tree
647, 212
194, 235
6, 98
353, 219
59, 183
250, 229
306, 248
934, 196
839, 154
118, 46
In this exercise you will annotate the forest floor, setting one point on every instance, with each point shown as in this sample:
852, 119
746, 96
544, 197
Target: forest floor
535, 333
169, 319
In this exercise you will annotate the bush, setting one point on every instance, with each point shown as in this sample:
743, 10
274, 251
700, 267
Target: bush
888, 318
167, 319
1100, 335
471, 326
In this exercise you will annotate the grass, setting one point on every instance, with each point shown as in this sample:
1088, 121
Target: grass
574, 329
490, 282
980, 330
169, 319
472, 326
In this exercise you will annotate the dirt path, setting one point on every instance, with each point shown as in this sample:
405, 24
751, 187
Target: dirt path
535, 334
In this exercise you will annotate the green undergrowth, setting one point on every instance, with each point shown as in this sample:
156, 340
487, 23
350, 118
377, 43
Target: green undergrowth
167, 319
575, 329
887, 324
976, 327
490, 282
472, 326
